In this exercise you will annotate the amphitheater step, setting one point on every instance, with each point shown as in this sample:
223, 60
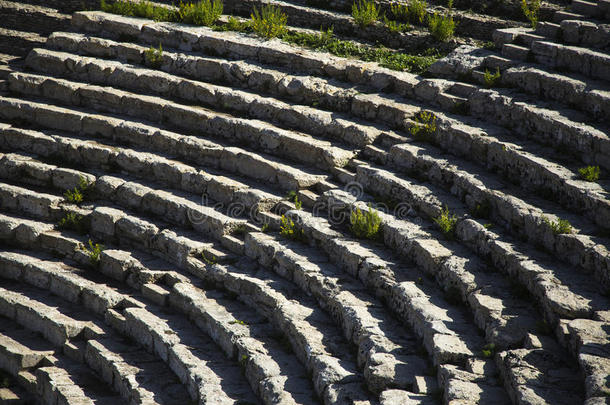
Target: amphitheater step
19, 43
26, 17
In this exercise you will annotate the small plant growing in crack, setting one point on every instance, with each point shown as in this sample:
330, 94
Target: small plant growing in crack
365, 224
365, 12
425, 127
73, 222
488, 350
561, 226
289, 229
154, 56
265, 228
209, 258
294, 197
79, 193
589, 173
531, 11
446, 223
270, 22
491, 79
94, 252
239, 230
238, 322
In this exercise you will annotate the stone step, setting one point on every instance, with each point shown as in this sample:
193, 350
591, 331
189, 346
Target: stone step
590, 339
236, 160
288, 115
588, 8
576, 59
15, 356
507, 36
592, 97
183, 337
299, 330
379, 111
528, 383
548, 29
26, 17
592, 257
19, 43
585, 33
515, 52
561, 15
258, 135
385, 349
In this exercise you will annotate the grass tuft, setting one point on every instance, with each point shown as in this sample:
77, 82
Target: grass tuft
365, 224
531, 11
289, 230
154, 57
94, 251
205, 12
589, 173
270, 22
365, 13
425, 128
558, 227
446, 223
491, 79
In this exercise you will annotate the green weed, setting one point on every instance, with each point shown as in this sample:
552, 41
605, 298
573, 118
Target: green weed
395, 26
414, 12
441, 26
238, 322
425, 128
289, 229
72, 221
79, 193
558, 227
365, 224
154, 57
144, 9
270, 22
209, 258
488, 350
491, 79
94, 251
446, 223
531, 11
205, 12
589, 173
265, 228
365, 12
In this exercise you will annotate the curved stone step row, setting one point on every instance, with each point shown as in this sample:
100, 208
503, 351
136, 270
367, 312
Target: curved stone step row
599, 8
467, 24
429, 201
597, 201
236, 160
129, 370
26, 17
510, 220
589, 62
486, 302
310, 333
64, 378
134, 78
507, 11
581, 33
513, 210
269, 369
539, 283
324, 295
213, 377
259, 135
404, 84
352, 307
19, 43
